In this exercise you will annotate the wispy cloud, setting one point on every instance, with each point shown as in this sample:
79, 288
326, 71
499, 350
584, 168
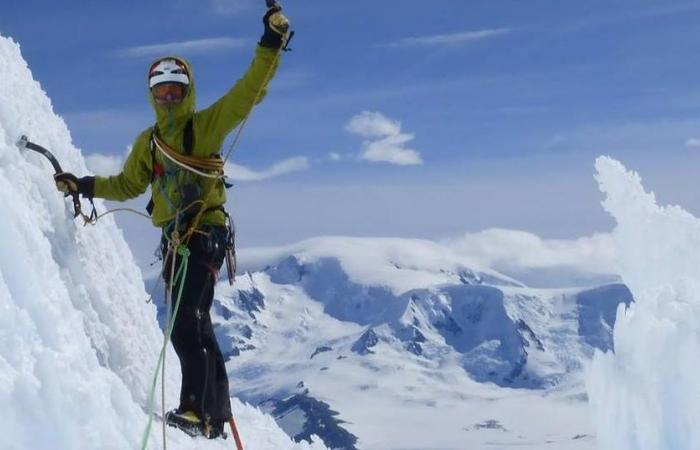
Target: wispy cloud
385, 141
692, 143
224, 7
292, 78
635, 14
189, 47
106, 164
449, 39
513, 249
238, 172
670, 9
232, 6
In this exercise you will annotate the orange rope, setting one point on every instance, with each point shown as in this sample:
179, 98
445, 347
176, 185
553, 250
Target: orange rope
234, 431
215, 164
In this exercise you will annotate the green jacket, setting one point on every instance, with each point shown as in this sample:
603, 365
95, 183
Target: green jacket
210, 128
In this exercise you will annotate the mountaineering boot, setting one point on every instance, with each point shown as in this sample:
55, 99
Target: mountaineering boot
189, 423
186, 421
213, 430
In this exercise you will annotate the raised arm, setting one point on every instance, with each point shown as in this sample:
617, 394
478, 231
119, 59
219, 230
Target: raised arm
225, 114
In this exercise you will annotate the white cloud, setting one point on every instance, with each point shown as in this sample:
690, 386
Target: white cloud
449, 39
341, 156
509, 250
692, 143
373, 125
391, 149
386, 142
104, 165
238, 172
189, 47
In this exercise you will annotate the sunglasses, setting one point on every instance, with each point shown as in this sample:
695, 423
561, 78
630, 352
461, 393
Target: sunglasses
168, 93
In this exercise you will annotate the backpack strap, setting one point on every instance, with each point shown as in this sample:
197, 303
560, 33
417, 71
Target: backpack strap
188, 138
152, 149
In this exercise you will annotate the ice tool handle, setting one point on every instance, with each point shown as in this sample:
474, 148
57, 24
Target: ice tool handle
25, 144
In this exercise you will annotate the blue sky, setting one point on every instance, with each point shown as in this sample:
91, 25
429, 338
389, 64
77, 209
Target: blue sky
497, 109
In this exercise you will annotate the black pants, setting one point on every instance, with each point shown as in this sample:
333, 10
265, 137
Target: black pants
204, 379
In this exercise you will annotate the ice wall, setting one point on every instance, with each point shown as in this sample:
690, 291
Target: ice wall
78, 342
646, 396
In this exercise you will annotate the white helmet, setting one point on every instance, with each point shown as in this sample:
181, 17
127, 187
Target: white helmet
168, 70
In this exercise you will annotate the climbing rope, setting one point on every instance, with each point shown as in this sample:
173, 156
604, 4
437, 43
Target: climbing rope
176, 278
191, 163
168, 319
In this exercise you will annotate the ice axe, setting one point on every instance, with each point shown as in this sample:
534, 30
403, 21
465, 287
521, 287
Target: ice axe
279, 23
25, 144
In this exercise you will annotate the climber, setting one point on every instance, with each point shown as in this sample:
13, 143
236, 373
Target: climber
179, 158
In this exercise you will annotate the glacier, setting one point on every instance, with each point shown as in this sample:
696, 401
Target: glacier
78, 340
643, 395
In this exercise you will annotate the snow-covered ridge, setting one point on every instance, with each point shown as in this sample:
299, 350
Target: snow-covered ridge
78, 342
428, 294
398, 264
645, 395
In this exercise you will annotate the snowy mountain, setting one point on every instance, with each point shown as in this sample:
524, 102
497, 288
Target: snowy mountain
78, 341
385, 331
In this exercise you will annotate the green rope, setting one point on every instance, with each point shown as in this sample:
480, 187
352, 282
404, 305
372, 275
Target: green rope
184, 252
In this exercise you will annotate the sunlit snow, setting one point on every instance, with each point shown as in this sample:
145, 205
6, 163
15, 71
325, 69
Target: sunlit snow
646, 396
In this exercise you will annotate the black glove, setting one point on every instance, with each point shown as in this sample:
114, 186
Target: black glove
276, 28
68, 183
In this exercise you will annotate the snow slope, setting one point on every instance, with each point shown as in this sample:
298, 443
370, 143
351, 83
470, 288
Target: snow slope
78, 342
646, 395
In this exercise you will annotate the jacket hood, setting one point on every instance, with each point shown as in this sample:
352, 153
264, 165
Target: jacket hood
173, 118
